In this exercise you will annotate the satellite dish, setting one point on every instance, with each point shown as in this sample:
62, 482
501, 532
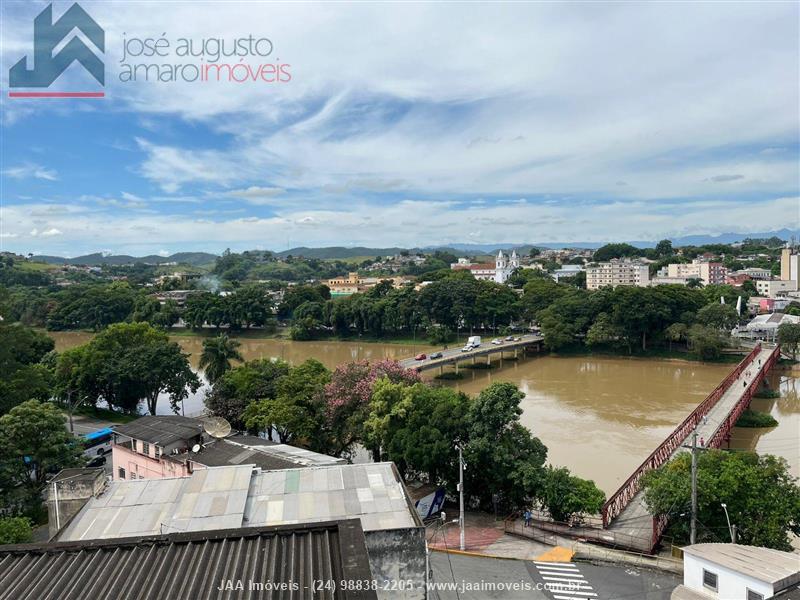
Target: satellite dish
196, 448
216, 427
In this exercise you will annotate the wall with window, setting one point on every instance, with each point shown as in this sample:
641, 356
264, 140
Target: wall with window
135, 464
700, 575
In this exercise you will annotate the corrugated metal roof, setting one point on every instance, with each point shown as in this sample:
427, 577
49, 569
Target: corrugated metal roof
235, 496
765, 564
193, 566
161, 430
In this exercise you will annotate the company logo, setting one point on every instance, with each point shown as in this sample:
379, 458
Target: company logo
48, 65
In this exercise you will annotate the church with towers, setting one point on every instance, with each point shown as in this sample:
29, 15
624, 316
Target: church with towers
505, 266
500, 271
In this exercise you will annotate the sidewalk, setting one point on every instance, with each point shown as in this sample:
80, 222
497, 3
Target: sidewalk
486, 537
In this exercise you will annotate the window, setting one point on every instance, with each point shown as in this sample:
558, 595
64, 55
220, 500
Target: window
121, 473
751, 595
145, 448
710, 580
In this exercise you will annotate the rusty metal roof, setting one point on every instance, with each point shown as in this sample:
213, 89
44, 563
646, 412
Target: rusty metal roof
268, 562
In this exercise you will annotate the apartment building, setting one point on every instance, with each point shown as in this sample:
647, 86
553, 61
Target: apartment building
617, 272
790, 266
706, 271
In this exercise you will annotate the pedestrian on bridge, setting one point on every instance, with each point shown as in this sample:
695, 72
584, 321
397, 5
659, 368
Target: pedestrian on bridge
528, 518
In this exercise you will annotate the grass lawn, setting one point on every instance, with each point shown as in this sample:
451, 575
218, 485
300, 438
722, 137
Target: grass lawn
105, 414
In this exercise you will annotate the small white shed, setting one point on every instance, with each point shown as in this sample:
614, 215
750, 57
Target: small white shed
736, 572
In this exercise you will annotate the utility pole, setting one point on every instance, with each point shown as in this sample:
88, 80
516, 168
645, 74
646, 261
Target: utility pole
460, 498
693, 523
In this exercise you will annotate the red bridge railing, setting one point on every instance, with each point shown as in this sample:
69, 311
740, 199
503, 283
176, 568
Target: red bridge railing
620, 499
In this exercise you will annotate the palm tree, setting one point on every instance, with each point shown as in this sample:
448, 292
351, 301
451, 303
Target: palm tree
217, 355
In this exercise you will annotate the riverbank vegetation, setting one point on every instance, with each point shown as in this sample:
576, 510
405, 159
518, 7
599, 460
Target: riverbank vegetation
753, 418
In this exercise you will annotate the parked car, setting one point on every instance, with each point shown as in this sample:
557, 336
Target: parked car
97, 461
436, 355
421, 356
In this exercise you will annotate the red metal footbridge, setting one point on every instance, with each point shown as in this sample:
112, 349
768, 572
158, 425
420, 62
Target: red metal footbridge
625, 519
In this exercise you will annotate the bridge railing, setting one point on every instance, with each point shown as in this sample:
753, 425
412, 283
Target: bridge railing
723, 431
620, 499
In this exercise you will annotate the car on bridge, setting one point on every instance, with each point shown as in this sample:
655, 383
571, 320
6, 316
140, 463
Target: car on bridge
467, 348
421, 356
436, 355
497, 341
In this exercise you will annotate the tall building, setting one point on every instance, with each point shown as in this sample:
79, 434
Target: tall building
790, 265
617, 272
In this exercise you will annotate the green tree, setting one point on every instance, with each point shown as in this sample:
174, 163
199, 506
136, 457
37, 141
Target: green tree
217, 355
706, 342
719, 316
238, 388
677, 332
565, 496
297, 413
762, 498
506, 462
22, 376
664, 248
125, 364
789, 337
421, 429
15, 530
35, 443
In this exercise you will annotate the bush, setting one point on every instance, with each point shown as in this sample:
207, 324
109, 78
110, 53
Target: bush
449, 375
767, 393
753, 418
15, 530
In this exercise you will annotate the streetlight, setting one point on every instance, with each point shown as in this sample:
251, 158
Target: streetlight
460, 497
730, 528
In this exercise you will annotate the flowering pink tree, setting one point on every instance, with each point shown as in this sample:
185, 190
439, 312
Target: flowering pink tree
349, 393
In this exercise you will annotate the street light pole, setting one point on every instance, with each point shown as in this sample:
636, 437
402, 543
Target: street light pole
460, 498
728, 519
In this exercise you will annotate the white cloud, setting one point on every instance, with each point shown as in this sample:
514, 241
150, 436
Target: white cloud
30, 171
51, 232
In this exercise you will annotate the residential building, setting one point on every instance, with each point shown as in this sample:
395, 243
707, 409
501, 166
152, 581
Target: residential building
737, 572
775, 287
240, 497
737, 279
155, 447
354, 283
706, 271
498, 272
754, 273
267, 562
617, 272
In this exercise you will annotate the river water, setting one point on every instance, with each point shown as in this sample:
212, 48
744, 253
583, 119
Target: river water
598, 416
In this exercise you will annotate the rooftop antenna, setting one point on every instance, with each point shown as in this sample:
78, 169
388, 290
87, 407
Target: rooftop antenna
216, 427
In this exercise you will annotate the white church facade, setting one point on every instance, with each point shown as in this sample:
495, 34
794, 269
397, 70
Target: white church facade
498, 272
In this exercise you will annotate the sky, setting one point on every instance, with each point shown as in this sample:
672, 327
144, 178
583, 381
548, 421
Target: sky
405, 124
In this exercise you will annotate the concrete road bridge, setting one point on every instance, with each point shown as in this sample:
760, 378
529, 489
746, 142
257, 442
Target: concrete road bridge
625, 521
454, 356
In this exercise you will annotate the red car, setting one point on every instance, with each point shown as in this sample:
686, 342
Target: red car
420, 357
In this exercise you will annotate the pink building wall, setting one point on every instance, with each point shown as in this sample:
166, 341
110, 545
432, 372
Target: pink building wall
144, 466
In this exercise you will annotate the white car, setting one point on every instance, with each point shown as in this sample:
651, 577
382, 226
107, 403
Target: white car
497, 342
466, 349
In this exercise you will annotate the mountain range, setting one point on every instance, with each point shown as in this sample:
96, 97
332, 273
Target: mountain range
340, 252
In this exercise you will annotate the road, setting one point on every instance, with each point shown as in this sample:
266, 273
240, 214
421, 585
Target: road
450, 355
481, 578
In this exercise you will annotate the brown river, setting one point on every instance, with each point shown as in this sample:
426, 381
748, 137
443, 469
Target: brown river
598, 416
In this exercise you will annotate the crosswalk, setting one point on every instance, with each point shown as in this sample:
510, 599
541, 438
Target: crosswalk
564, 581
